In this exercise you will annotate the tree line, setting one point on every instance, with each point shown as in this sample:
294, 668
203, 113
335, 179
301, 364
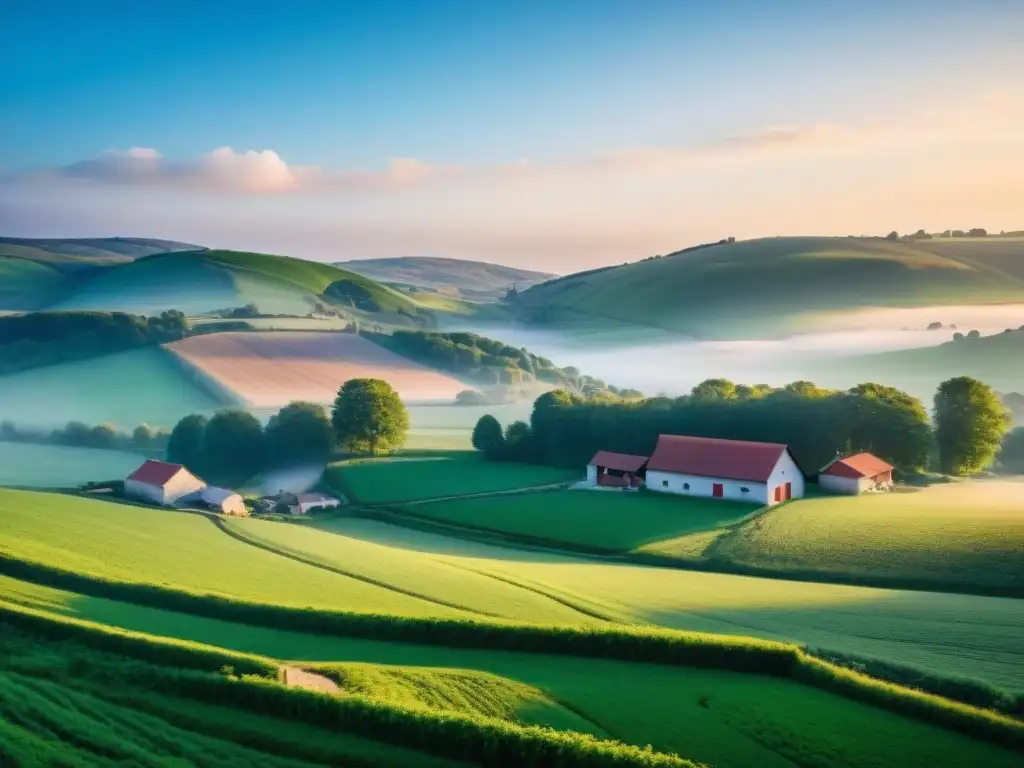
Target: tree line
76, 434
566, 429
233, 446
44, 338
487, 362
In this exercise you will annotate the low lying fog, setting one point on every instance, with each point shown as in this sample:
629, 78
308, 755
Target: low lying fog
674, 367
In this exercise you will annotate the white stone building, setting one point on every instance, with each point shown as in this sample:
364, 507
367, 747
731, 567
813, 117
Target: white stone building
761, 473
160, 482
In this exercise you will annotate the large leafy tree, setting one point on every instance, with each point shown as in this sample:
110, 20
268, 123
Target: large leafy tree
970, 425
233, 447
488, 437
889, 423
300, 433
369, 415
714, 389
185, 445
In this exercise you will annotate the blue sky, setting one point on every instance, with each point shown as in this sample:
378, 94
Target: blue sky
350, 86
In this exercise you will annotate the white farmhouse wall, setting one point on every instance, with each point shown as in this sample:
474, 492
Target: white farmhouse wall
182, 484
139, 490
786, 471
837, 484
592, 474
673, 482
304, 507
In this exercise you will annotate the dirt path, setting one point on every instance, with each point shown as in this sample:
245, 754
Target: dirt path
484, 494
300, 678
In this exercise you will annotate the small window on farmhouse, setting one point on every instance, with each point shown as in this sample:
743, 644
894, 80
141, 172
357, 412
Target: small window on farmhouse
744, 490
686, 486
664, 483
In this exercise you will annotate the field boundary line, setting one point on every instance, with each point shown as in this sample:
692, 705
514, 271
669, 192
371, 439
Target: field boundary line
222, 526
484, 494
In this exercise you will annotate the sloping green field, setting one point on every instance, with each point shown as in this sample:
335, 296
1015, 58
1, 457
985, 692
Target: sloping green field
59, 466
125, 389
971, 533
26, 285
610, 520
775, 285
381, 481
715, 716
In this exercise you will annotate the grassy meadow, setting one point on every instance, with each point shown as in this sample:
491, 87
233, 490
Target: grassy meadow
27, 285
968, 533
125, 389
608, 520
387, 481
59, 466
714, 716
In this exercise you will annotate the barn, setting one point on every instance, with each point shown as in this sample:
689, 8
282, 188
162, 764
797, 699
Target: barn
615, 470
762, 473
856, 474
160, 482
224, 500
306, 502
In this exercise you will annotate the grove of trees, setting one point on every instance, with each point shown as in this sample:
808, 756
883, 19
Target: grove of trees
566, 429
44, 338
76, 434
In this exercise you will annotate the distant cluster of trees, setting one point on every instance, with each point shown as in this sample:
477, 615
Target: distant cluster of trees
922, 235
489, 363
144, 438
233, 446
44, 338
567, 429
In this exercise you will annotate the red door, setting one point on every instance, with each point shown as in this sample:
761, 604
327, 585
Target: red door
789, 491
778, 493
717, 490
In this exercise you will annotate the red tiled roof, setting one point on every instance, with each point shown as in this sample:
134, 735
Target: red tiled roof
713, 457
859, 465
154, 472
621, 462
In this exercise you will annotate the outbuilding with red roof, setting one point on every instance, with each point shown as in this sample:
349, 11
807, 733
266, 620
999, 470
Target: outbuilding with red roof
616, 470
761, 473
856, 474
161, 482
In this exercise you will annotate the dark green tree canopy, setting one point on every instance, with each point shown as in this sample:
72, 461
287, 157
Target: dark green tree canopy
233, 447
300, 433
185, 445
488, 437
1011, 453
369, 415
970, 422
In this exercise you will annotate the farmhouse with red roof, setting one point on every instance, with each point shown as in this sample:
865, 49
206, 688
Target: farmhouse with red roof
762, 473
856, 474
160, 482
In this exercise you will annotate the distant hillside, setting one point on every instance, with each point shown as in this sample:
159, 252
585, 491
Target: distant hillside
778, 285
997, 360
471, 280
201, 282
69, 254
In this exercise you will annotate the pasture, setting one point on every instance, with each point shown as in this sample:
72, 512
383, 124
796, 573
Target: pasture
178, 550
719, 717
57, 466
391, 480
27, 285
124, 389
969, 532
607, 520
270, 369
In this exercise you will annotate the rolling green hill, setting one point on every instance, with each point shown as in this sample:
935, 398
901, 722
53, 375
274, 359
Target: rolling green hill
461, 278
28, 285
997, 360
781, 285
199, 282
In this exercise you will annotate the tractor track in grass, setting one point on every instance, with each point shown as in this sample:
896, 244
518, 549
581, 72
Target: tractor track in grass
218, 523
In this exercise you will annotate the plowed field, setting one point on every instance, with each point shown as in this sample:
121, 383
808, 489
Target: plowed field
271, 369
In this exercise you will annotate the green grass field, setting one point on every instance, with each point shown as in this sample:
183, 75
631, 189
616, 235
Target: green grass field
125, 389
59, 466
970, 532
722, 718
180, 551
28, 285
381, 481
610, 520
780, 282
